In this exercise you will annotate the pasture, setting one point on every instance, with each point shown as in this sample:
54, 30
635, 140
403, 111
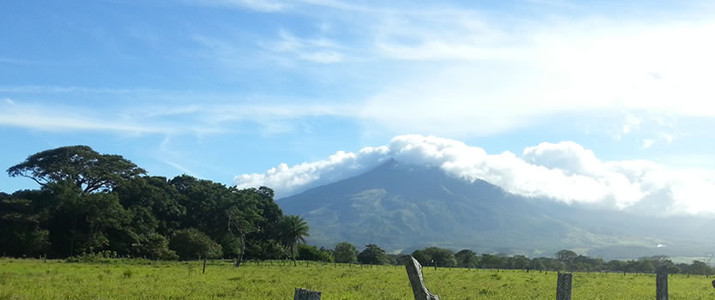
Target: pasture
140, 279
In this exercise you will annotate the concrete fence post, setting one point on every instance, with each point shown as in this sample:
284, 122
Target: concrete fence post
563, 286
414, 272
303, 294
661, 285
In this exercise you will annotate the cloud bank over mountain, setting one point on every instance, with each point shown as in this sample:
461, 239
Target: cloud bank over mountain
564, 171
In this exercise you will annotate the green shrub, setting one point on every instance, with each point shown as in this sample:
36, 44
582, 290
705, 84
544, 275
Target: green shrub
192, 244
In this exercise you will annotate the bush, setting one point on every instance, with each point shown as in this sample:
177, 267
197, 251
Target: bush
97, 257
155, 246
306, 252
194, 244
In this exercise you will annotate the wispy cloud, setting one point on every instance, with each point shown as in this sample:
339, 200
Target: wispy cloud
62, 118
168, 155
319, 50
463, 72
282, 5
557, 3
453, 65
258, 5
41, 89
168, 118
506, 77
450, 35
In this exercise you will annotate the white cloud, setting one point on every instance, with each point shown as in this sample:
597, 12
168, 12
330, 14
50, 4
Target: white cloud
475, 75
61, 118
318, 50
468, 71
647, 143
258, 5
564, 172
341, 165
162, 118
632, 123
325, 57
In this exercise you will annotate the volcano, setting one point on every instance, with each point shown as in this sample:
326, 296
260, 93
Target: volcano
403, 207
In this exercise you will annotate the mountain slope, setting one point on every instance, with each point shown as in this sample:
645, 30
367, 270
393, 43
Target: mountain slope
402, 208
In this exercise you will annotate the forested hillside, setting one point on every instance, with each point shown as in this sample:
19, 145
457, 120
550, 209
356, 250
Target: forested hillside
90, 203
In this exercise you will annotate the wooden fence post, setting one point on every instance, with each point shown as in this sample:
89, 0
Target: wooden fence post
661, 285
563, 286
414, 273
303, 294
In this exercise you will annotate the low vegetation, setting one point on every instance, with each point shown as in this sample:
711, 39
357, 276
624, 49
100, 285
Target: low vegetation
144, 279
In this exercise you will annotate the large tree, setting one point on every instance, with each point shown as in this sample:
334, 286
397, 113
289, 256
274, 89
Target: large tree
264, 241
466, 259
345, 253
80, 165
372, 255
435, 256
566, 256
84, 223
155, 203
228, 215
83, 215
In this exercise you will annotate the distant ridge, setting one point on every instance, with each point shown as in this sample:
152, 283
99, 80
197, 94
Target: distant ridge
404, 207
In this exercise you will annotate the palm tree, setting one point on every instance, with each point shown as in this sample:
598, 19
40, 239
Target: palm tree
293, 232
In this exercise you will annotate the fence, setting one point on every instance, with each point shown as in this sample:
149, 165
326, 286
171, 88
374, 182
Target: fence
414, 273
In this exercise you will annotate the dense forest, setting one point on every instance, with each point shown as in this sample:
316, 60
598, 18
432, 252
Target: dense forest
90, 203
98, 204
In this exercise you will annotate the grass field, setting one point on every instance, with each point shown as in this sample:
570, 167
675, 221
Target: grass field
128, 279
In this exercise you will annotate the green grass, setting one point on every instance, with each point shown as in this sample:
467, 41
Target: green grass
126, 279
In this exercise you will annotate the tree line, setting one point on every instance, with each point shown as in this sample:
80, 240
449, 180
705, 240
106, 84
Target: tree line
90, 203
564, 260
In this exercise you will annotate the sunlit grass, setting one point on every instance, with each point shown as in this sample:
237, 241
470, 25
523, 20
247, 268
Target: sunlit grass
121, 279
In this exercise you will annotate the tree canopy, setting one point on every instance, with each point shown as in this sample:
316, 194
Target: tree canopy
345, 253
372, 255
80, 165
293, 232
435, 256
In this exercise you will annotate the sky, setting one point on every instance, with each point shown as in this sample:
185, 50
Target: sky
611, 96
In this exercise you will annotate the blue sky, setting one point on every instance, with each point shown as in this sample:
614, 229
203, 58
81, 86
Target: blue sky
220, 88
